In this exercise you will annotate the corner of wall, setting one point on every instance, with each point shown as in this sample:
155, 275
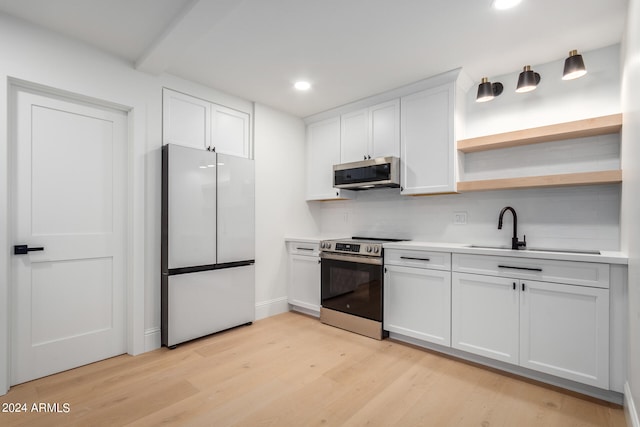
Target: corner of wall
630, 411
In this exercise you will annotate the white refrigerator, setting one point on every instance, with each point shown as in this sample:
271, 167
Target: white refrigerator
208, 243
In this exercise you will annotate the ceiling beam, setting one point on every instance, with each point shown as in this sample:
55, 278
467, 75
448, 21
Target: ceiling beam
196, 19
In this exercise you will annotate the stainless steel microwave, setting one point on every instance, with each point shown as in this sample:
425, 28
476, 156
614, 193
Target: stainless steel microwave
367, 174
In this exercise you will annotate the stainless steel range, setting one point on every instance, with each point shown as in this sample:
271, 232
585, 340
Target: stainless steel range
351, 284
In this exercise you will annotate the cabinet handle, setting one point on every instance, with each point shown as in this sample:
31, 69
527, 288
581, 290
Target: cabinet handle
385, 269
319, 261
365, 157
415, 259
514, 286
520, 268
522, 286
304, 249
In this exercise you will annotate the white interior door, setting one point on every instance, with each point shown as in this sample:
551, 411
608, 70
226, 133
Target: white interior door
69, 186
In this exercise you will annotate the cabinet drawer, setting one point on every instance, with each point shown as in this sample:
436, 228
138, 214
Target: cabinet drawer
303, 248
571, 272
419, 259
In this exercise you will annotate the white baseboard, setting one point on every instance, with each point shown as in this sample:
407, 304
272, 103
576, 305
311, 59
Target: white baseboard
272, 307
630, 409
152, 339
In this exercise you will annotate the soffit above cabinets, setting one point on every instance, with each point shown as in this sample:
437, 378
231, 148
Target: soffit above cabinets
257, 49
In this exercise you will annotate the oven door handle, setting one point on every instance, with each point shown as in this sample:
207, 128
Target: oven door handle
351, 258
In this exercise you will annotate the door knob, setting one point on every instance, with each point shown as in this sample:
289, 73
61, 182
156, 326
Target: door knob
24, 249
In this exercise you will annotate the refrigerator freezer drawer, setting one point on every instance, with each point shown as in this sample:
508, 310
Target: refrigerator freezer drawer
199, 304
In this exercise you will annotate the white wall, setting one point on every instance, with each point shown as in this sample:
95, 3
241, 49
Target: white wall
44, 58
569, 218
554, 100
280, 207
630, 200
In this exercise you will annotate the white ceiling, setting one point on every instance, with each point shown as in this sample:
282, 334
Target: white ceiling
348, 49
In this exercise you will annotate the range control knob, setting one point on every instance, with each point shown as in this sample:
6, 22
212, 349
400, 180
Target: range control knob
322, 245
369, 249
376, 249
327, 245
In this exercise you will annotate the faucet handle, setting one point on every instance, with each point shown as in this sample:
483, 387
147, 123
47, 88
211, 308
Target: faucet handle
523, 244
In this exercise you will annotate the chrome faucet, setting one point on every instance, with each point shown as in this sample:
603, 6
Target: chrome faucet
515, 243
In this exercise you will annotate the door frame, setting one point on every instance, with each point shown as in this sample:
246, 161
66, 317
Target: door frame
135, 200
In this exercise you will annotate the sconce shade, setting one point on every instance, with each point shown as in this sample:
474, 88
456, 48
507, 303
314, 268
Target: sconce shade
527, 80
487, 90
573, 66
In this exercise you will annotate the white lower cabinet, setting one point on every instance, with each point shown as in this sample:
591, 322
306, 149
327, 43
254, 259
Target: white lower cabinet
417, 295
564, 331
417, 303
484, 316
555, 328
304, 277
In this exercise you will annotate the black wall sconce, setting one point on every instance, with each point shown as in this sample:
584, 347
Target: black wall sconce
487, 90
527, 80
573, 66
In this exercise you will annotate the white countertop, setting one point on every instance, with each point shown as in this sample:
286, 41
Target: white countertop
308, 239
607, 257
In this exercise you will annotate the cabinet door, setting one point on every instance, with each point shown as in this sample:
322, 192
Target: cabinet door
230, 131
427, 142
304, 282
417, 303
484, 316
384, 132
354, 144
323, 151
185, 120
564, 331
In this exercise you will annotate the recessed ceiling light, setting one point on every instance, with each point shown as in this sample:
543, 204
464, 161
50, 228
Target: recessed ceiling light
302, 85
505, 4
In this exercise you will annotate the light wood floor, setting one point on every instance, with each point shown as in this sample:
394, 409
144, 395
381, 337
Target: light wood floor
291, 370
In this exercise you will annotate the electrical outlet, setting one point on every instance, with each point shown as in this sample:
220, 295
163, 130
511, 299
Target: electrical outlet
459, 218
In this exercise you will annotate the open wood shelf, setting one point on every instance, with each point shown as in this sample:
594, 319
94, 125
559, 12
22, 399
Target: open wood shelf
562, 180
577, 129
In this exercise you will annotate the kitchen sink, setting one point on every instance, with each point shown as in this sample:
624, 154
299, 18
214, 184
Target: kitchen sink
568, 251
565, 251
490, 247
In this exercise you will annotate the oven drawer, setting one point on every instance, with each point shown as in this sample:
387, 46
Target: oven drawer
419, 259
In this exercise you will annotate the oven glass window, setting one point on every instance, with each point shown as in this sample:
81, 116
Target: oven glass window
353, 288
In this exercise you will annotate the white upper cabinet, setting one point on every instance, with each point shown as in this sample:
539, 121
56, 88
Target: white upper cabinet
193, 122
371, 132
428, 147
230, 131
384, 129
354, 136
323, 151
186, 120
